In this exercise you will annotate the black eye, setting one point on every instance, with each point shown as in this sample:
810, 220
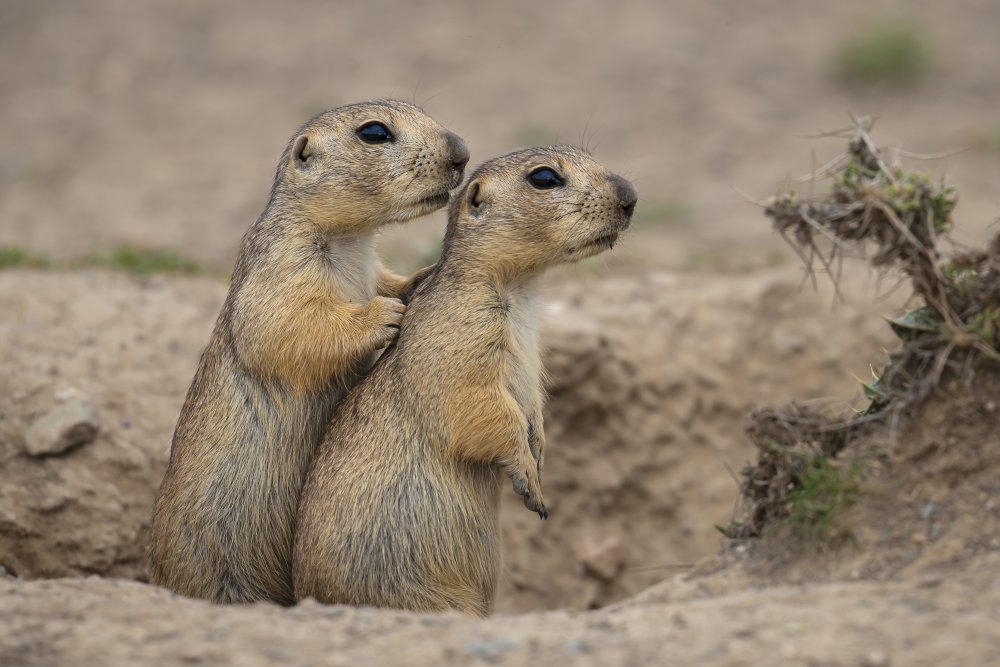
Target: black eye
375, 133
544, 178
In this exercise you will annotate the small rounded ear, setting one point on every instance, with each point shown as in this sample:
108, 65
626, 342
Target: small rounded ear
474, 198
302, 150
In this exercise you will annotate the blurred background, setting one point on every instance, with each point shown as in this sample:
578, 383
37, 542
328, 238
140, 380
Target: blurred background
158, 124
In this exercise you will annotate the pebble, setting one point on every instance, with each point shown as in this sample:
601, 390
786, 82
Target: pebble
491, 649
875, 659
65, 393
70, 424
787, 343
578, 646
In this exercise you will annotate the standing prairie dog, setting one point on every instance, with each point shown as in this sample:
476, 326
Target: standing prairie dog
309, 307
401, 506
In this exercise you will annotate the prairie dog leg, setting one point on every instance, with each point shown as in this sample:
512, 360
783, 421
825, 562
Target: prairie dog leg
498, 432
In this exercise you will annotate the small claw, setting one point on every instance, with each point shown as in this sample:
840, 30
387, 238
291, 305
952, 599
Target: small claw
523, 489
535, 505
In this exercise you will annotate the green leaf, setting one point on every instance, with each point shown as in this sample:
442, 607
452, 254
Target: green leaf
916, 323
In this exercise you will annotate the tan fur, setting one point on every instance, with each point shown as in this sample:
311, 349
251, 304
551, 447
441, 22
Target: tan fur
308, 309
401, 506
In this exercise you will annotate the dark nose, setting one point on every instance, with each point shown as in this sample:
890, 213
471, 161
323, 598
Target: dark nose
625, 193
457, 150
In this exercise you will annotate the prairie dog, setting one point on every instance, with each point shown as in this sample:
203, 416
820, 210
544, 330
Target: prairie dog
401, 506
309, 307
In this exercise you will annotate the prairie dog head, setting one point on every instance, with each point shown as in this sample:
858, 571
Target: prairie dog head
526, 211
361, 166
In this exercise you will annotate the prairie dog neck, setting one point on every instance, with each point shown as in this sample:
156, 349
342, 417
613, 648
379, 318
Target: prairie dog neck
351, 263
522, 303
522, 369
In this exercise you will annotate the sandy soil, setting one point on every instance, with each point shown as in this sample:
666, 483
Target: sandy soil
927, 622
651, 379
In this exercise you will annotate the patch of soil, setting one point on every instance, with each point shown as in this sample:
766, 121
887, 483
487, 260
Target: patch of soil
650, 379
928, 498
125, 347
910, 622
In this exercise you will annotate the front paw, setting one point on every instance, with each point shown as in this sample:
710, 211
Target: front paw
524, 475
385, 316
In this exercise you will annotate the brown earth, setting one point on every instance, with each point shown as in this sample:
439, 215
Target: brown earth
651, 379
917, 622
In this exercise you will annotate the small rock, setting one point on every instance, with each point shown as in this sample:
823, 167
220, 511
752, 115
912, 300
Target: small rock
875, 659
578, 646
65, 393
491, 649
787, 343
70, 424
928, 510
606, 561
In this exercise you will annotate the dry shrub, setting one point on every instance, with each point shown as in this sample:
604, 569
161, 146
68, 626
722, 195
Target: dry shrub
805, 474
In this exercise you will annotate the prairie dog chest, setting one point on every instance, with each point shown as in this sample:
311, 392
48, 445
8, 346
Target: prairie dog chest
524, 366
351, 267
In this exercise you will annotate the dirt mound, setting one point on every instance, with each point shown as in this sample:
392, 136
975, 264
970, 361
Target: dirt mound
911, 622
911, 479
924, 495
651, 378
124, 347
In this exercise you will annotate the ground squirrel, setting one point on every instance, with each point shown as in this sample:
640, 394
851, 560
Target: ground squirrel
309, 307
400, 508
